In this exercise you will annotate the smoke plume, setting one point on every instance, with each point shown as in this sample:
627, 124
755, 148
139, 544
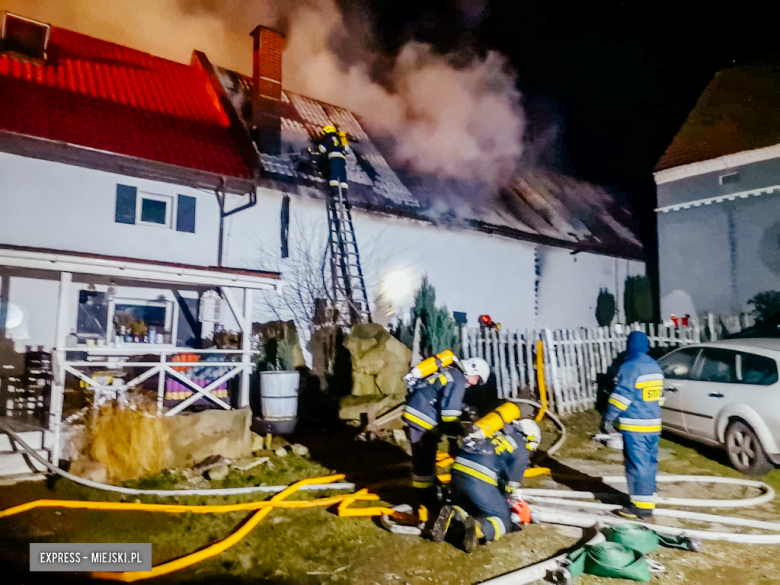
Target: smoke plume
455, 116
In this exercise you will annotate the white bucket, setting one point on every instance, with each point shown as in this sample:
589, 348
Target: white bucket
279, 395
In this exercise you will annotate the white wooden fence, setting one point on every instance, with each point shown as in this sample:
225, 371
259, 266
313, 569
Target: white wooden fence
573, 358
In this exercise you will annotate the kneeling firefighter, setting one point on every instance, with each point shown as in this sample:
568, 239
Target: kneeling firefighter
434, 405
486, 475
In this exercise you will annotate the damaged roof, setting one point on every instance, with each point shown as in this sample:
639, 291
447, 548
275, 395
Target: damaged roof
736, 112
105, 97
540, 205
133, 113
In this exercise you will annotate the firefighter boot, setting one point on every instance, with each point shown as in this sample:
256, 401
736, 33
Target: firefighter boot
473, 534
442, 523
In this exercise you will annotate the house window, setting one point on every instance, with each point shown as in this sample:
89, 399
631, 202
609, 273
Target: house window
92, 316
142, 321
134, 321
155, 210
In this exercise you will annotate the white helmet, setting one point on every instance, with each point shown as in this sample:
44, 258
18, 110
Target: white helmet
476, 367
532, 432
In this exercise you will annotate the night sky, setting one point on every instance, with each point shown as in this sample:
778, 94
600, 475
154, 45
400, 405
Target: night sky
618, 78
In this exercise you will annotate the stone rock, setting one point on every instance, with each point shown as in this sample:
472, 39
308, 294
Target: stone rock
278, 442
379, 361
353, 406
281, 452
218, 473
208, 463
194, 437
258, 442
252, 463
88, 469
300, 450
364, 385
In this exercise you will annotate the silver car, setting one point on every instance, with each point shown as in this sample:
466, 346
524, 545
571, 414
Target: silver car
727, 394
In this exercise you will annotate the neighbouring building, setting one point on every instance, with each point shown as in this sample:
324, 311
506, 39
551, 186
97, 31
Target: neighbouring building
719, 197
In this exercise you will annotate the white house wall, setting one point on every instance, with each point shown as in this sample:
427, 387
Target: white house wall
569, 286
472, 272
46, 204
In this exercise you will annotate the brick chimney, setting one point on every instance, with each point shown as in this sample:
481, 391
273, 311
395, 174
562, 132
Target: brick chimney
267, 89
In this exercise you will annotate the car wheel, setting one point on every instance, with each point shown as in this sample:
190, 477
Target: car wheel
745, 451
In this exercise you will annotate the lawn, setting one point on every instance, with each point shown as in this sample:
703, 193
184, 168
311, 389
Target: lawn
315, 546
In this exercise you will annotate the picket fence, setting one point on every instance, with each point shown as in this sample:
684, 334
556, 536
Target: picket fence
573, 358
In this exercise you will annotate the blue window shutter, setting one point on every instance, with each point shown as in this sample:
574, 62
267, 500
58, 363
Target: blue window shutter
125, 204
185, 214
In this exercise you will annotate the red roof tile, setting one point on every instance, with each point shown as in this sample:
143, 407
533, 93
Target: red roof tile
100, 95
736, 112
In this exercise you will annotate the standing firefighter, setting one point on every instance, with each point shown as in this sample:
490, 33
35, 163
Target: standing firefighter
486, 476
636, 405
433, 407
334, 146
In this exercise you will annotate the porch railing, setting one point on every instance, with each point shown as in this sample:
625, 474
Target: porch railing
163, 367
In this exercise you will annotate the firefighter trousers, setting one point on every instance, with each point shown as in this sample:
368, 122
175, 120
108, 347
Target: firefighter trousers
640, 451
424, 445
483, 501
337, 175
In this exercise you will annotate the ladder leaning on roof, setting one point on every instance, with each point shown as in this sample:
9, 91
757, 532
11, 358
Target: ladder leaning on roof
348, 288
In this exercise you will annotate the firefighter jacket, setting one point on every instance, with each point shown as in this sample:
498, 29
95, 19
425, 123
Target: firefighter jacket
436, 399
639, 393
499, 460
330, 145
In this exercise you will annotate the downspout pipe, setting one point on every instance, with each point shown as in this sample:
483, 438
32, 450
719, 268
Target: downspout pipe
221, 196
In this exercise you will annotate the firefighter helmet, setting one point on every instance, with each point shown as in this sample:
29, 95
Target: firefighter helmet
329, 129
532, 432
476, 367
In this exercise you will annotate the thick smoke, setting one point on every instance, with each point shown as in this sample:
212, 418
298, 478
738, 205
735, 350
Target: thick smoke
456, 116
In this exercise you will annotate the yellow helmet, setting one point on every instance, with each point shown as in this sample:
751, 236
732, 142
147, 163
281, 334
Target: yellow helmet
329, 128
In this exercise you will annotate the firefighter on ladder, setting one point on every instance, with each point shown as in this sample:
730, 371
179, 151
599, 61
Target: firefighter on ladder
486, 477
335, 146
437, 387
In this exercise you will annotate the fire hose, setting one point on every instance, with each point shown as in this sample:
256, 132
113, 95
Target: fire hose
161, 493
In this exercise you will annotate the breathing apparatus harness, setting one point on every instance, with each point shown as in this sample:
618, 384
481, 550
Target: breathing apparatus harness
428, 370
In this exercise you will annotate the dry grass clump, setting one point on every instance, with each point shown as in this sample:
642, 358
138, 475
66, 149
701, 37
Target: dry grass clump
129, 439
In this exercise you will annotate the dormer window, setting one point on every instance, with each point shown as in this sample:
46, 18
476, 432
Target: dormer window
24, 37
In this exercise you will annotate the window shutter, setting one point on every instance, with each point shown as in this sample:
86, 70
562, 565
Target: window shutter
125, 204
285, 221
185, 214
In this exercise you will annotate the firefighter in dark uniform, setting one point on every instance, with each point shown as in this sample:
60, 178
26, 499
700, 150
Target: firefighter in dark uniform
485, 477
636, 405
433, 408
334, 146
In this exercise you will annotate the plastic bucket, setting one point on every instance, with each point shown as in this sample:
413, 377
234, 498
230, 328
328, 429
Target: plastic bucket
279, 395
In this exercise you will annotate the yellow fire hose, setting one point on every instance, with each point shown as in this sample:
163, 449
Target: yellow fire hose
262, 509
540, 379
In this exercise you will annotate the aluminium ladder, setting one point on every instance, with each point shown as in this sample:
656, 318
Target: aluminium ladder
348, 288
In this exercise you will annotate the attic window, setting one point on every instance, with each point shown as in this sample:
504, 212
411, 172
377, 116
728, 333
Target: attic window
25, 37
730, 178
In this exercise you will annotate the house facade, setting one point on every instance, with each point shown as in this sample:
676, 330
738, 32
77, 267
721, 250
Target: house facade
718, 187
123, 157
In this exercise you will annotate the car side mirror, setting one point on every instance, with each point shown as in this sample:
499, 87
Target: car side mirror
679, 371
